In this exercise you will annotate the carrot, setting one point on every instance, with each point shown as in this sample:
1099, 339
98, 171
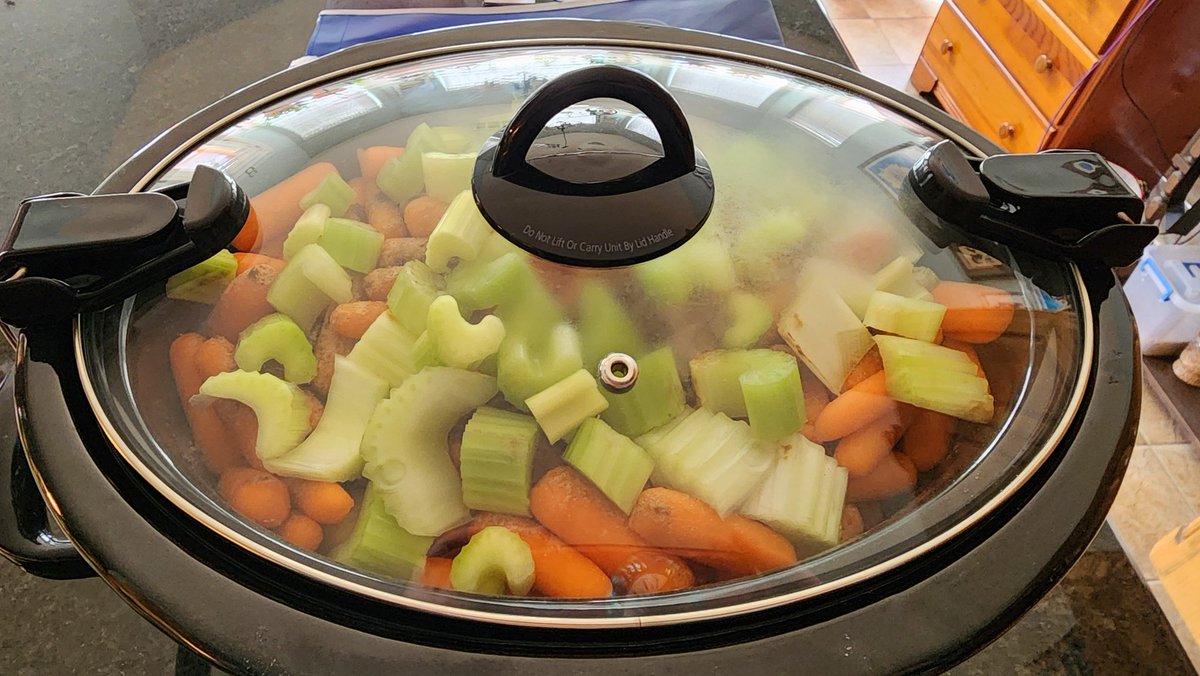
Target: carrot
422, 214
927, 441
328, 344
215, 356
437, 572
384, 216
379, 282
257, 495
400, 250
854, 409
559, 571
251, 232
246, 260
966, 349
216, 446
852, 523
325, 502
278, 207
243, 428
860, 451
371, 160
686, 526
869, 365
302, 532
352, 319
974, 313
760, 544
816, 398
365, 190
243, 302
894, 475
575, 510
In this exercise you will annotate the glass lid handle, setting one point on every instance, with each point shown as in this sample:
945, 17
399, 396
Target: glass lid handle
1070, 203
68, 253
595, 220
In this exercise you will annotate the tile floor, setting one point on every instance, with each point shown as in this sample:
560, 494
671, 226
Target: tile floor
883, 36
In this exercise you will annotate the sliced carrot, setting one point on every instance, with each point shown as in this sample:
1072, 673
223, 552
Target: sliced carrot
216, 445
278, 207
895, 474
302, 532
257, 495
351, 320
325, 502
760, 544
559, 570
437, 572
869, 365
685, 526
245, 261
421, 215
384, 216
371, 160
243, 302
862, 450
927, 440
854, 409
852, 523
975, 313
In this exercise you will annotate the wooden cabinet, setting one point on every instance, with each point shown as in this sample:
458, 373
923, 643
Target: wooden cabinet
1007, 67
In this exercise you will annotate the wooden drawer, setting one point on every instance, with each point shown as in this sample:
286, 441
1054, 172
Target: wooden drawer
979, 91
1036, 48
1092, 20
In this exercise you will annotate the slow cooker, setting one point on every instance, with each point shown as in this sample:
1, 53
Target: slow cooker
576, 346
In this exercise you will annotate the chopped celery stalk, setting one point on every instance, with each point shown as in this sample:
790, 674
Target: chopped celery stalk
276, 337
497, 460
331, 453
459, 343
459, 234
604, 325
709, 456
402, 177
925, 277
280, 407
560, 408
352, 244
334, 192
454, 139
908, 317
390, 351
525, 367
760, 245
204, 281
715, 376
899, 277
656, 435
496, 246
493, 561
405, 451
447, 174
823, 331
750, 317
490, 284
308, 284
378, 544
611, 460
655, 398
532, 314
702, 264
306, 231
935, 377
410, 296
852, 286
774, 399
803, 495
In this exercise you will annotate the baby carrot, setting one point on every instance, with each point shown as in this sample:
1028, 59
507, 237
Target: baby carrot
760, 544
437, 572
400, 250
215, 356
278, 207
365, 190
854, 409
894, 475
384, 216
816, 398
559, 571
421, 215
869, 365
652, 572
243, 428
325, 502
860, 451
371, 160
974, 313
250, 234
257, 495
328, 344
245, 261
302, 532
378, 282
852, 523
352, 319
686, 526
927, 440
216, 446
243, 302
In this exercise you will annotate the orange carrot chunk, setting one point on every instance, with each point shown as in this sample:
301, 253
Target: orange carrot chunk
860, 451
215, 356
686, 526
559, 570
927, 441
437, 572
257, 495
245, 261
352, 319
243, 302
869, 365
371, 160
217, 447
302, 532
421, 215
895, 474
854, 409
974, 313
325, 502
760, 544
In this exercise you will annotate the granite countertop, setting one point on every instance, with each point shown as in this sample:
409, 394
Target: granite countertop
91, 81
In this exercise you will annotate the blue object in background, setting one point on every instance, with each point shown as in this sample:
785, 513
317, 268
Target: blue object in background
749, 19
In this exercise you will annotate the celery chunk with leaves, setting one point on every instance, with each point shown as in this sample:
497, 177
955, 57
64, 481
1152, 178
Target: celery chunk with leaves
204, 281
560, 408
611, 460
494, 561
496, 460
334, 192
938, 378
411, 295
277, 338
459, 234
458, 342
526, 366
378, 544
280, 407
306, 231
352, 244
655, 398
802, 496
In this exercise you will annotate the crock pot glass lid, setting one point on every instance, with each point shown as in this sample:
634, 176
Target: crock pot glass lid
384, 392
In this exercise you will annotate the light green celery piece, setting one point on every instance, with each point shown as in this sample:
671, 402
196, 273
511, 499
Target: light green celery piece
379, 545
280, 407
205, 281
900, 277
405, 449
852, 286
774, 398
800, 494
458, 342
908, 317
494, 561
750, 317
605, 325
334, 192
478, 285
611, 461
496, 246
532, 314
411, 295
447, 174
307, 230
666, 278
526, 366
822, 330
459, 234
402, 177
761, 244
716, 374
454, 139
308, 284
560, 408
277, 338
352, 244
655, 398
925, 277
702, 264
331, 452
496, 460
935, 377
391, 352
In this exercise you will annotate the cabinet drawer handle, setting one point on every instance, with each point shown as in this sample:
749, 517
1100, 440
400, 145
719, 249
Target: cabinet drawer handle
1006, 130
1043, 63
946, 47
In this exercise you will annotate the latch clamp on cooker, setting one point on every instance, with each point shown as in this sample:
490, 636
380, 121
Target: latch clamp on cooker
1069, 204
67, 253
